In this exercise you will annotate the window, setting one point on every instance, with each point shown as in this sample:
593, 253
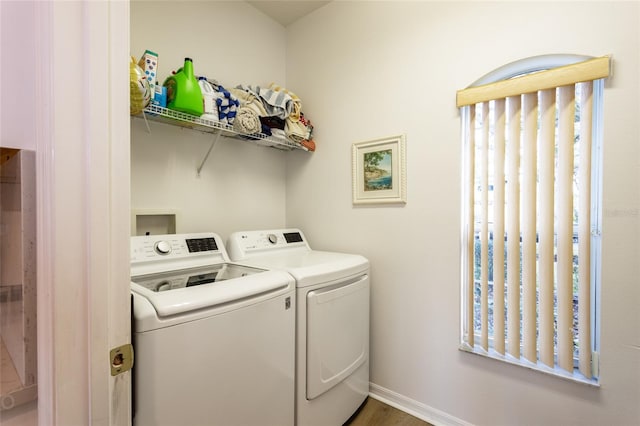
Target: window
531, 220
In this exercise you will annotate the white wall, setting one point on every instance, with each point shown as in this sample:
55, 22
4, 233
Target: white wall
372, 69
242, 185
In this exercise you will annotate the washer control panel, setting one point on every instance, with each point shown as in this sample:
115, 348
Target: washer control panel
154, 248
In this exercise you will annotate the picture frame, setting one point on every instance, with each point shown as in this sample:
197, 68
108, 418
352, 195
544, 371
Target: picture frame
379, 171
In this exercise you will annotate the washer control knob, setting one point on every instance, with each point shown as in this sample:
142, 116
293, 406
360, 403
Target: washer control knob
163, 247
273, 238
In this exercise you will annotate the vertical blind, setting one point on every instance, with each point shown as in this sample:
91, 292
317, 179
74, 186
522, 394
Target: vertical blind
527, 199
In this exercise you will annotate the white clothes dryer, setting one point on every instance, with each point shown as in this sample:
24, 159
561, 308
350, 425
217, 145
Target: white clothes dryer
214, 341
332, 320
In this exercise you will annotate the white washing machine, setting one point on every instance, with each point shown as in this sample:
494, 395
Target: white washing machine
332, 328
214, 341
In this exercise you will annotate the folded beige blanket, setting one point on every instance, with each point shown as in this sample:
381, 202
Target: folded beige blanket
247, 121
249, 100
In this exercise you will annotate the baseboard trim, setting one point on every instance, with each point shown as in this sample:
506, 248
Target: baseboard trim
415, 408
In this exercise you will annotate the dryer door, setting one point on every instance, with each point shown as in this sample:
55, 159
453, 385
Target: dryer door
337, 333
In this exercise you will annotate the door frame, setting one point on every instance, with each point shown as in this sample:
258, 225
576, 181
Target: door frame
82, 161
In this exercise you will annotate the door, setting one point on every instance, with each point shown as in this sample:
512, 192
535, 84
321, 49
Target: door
74, 110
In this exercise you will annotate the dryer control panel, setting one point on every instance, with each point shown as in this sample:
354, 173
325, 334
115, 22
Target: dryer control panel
241, 244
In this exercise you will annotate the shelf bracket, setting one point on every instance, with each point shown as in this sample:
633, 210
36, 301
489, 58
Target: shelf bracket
206, 156
144, 116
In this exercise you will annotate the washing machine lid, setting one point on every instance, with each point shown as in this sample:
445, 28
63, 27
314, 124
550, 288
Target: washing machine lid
180, 291
311, 267
174, 280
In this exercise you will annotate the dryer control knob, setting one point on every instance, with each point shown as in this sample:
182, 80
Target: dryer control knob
163, 247
273, 238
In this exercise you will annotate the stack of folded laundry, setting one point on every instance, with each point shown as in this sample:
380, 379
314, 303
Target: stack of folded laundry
273, 111
281, 114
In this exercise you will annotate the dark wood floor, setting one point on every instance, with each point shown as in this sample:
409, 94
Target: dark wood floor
376, 413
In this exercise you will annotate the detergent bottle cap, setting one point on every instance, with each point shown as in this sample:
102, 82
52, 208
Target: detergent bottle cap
188, 68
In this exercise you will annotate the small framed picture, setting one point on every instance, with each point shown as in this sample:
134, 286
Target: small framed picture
378, 169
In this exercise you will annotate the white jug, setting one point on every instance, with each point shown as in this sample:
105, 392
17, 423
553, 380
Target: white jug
209, 100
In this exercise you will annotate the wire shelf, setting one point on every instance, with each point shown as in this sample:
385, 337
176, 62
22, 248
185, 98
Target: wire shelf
178, 118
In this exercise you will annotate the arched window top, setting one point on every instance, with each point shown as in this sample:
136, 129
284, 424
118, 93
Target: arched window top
529, 65
520, 77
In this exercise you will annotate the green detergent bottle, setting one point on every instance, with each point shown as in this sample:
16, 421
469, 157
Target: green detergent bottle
183, 90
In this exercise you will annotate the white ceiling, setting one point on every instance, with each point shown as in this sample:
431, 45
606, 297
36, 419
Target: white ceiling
286, 12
